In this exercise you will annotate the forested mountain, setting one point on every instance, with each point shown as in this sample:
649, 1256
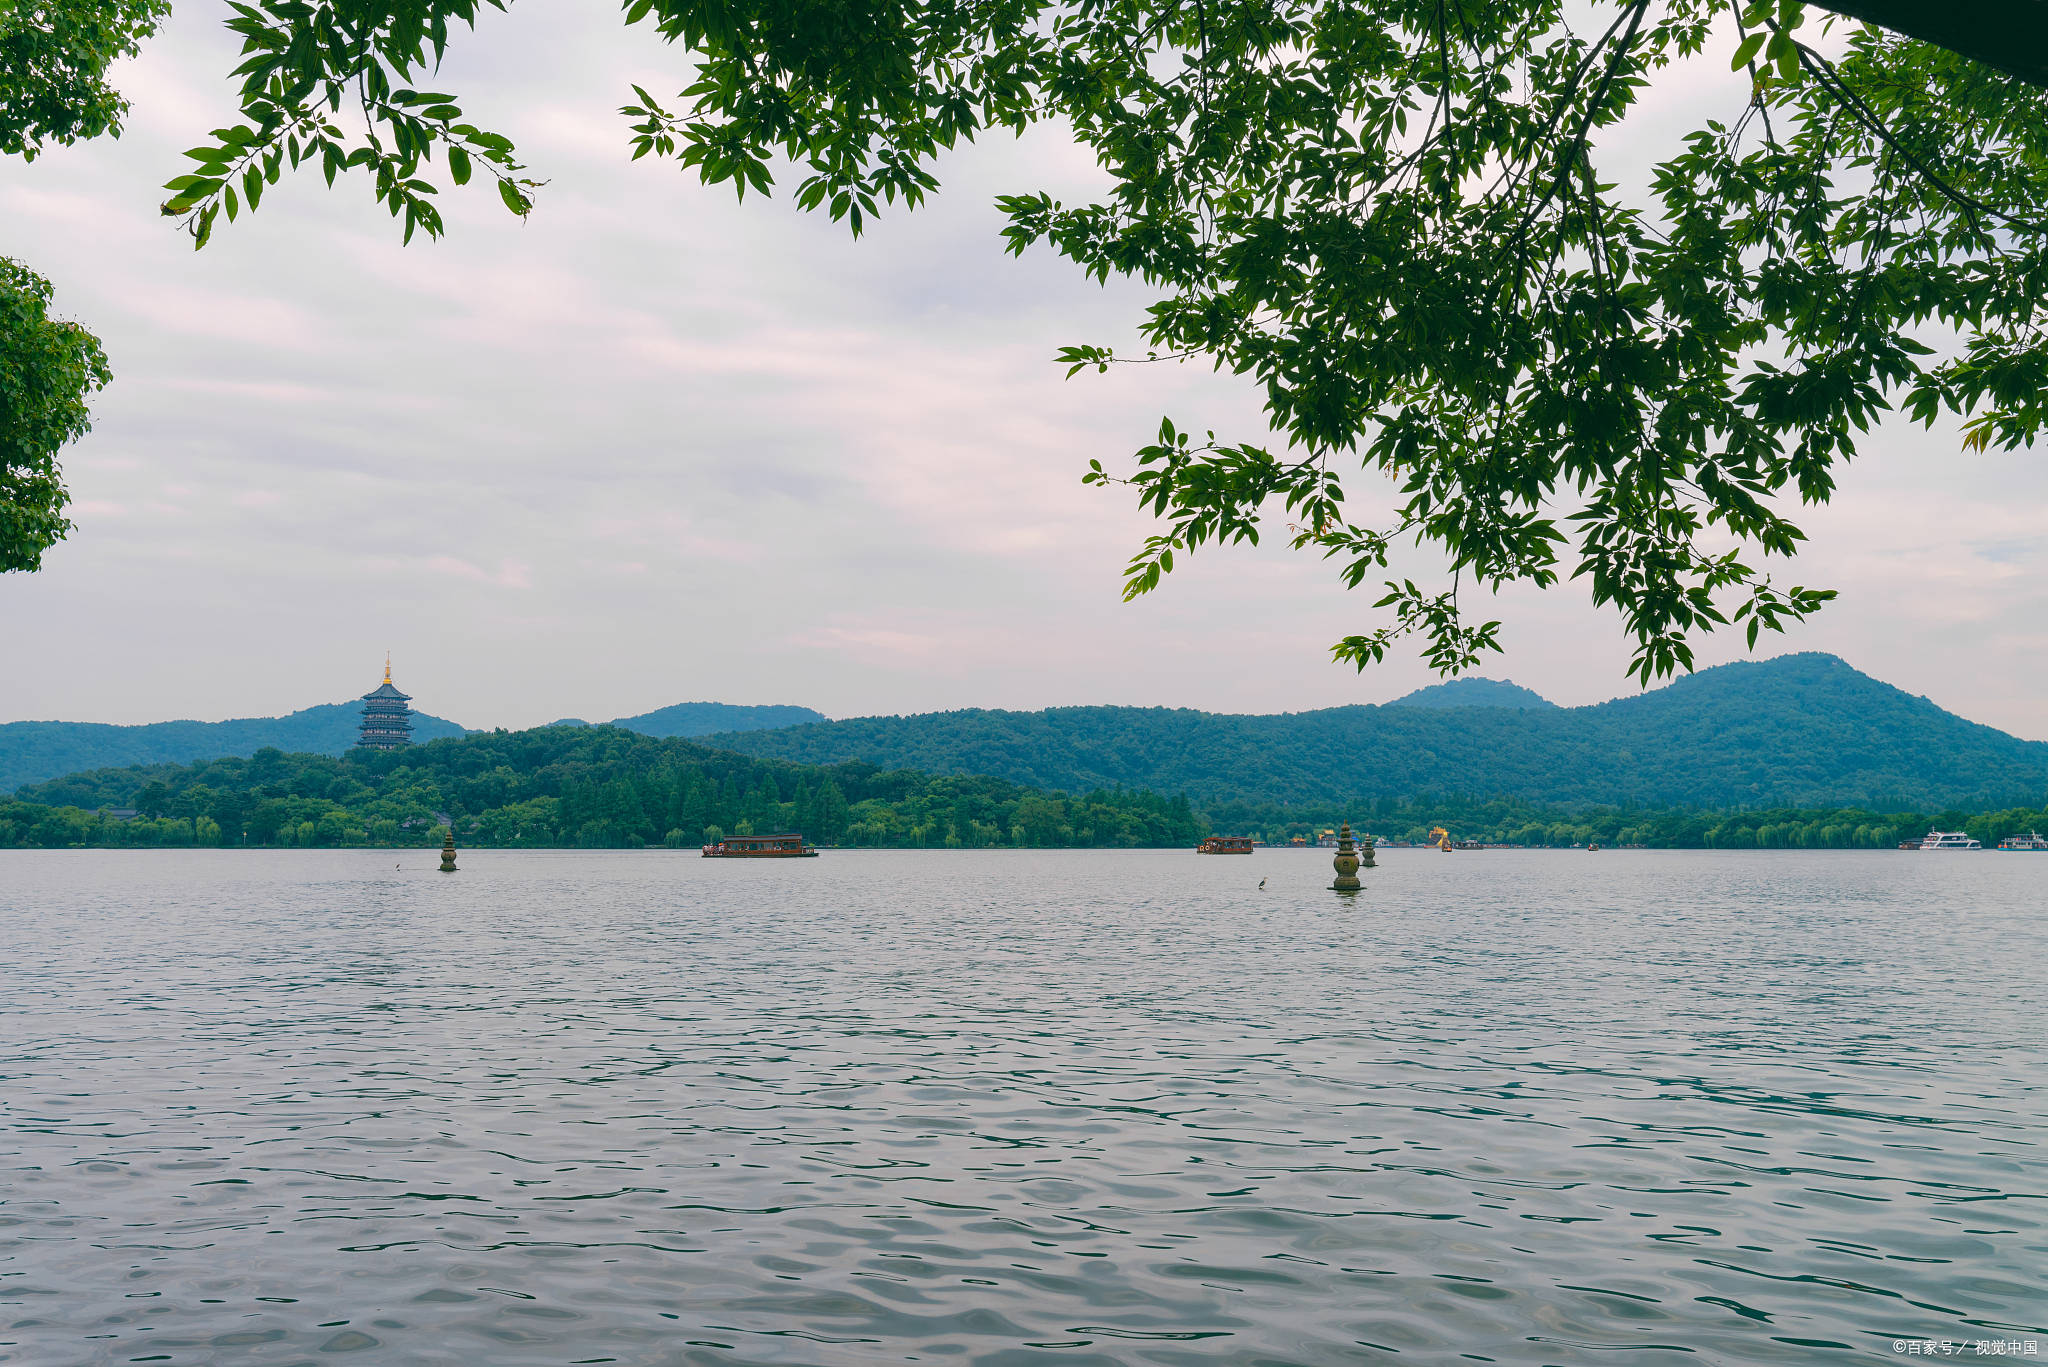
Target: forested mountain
1473, 693
1798, 731
687, 719
31, 751
594, 786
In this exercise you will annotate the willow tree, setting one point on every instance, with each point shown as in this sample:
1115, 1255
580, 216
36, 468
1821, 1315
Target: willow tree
1391, 216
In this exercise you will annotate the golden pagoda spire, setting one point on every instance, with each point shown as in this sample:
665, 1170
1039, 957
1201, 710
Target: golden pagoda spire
387, 666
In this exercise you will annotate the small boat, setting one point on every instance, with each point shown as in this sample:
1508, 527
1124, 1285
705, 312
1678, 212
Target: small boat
1225, 844
1949, 840
2029, 841
1594, 847
788, 845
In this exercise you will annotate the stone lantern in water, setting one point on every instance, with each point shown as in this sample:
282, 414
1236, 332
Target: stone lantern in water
1346, 862
448, 852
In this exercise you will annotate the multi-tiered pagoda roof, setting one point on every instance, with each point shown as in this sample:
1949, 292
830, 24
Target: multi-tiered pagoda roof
387, 716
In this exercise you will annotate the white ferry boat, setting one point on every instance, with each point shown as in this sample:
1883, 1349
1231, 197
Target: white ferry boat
1949, 840
2029, 841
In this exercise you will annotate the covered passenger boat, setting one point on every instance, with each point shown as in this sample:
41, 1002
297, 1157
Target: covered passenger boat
785, 846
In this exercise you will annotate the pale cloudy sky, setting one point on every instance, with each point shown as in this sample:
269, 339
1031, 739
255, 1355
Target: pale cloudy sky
653, 446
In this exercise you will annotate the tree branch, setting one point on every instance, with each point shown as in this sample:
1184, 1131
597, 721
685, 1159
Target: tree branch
2006, 35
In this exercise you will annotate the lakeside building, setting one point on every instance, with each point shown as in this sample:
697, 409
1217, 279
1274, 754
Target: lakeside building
387, 716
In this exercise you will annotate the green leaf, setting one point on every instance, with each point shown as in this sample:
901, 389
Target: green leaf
1785, 53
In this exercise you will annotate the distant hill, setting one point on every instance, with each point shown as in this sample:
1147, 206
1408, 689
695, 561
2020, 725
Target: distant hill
34, 751
31, 751
1797, 731
688, 719
1473, 693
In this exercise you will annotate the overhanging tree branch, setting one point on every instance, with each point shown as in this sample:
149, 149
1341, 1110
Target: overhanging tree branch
2006, 35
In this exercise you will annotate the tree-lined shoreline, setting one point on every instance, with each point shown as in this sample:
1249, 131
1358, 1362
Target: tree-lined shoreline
578, 787
607, 788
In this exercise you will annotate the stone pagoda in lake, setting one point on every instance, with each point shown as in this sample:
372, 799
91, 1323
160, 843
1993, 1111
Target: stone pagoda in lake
387, 716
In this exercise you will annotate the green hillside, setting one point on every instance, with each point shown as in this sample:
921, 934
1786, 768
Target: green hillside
1802, 731
32, 751
1473, 693
688, 719
592, 786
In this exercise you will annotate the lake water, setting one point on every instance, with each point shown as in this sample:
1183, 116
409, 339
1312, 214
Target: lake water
1019, 1107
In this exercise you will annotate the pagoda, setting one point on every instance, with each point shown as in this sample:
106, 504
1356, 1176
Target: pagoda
387, 720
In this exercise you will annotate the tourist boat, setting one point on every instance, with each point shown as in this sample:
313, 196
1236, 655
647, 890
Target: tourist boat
1225, 844
1949, 840
785, 846
2029, 841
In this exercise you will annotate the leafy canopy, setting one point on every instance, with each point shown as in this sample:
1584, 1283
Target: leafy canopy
47, 368
54, 56
1392, 216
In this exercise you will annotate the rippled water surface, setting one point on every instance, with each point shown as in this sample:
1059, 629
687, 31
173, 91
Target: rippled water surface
1014, 1108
